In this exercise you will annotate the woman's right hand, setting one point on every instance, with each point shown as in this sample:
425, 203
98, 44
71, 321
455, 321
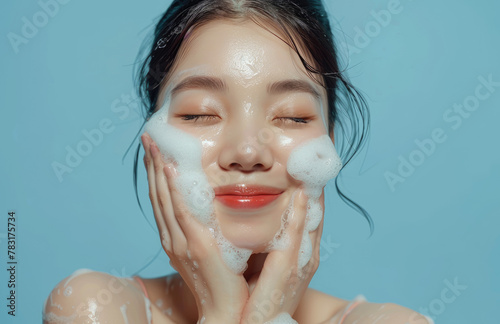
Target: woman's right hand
220, 294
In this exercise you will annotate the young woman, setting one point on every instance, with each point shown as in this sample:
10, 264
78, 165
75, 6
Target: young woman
242, 96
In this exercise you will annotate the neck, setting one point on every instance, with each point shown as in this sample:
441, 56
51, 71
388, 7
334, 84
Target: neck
255, 265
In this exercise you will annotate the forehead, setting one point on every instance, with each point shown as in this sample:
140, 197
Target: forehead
243, 53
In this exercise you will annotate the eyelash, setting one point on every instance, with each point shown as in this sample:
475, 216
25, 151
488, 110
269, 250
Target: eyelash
284, 120
196, 117
295, 120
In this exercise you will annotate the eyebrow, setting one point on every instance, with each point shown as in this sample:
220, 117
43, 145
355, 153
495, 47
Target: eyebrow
217, 84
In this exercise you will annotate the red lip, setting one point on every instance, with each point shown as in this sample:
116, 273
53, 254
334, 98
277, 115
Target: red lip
246, 196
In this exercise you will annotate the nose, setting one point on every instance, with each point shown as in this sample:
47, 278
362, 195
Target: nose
246, 150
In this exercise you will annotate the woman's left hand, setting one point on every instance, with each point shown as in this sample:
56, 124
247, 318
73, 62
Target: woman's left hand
281, 285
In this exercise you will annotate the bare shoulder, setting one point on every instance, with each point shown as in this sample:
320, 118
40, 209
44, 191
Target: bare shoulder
389, 313
318, 307
97, 296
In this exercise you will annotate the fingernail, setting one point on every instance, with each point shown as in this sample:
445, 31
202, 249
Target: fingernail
173, 170
144, 139
170, 170
167, 171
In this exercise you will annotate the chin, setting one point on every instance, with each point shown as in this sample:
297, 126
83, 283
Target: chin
255, 238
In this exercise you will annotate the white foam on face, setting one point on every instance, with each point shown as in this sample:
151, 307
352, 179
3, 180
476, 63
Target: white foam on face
313, 163
282, 318
185, 151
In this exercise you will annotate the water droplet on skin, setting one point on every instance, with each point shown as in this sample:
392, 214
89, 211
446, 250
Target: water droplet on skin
195, 276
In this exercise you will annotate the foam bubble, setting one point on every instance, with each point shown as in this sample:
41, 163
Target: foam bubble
314, 214
305, 251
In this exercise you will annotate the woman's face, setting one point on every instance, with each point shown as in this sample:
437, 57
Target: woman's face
257, 104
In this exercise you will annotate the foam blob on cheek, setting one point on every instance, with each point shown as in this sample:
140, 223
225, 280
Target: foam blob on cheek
314, 163
192, 183
176, 145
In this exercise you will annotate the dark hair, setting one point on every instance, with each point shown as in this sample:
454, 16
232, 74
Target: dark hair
305, 21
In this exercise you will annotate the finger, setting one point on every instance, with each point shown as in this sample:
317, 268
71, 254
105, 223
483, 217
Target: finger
196, 233
163, 189
315, 238
281, 265
160, 222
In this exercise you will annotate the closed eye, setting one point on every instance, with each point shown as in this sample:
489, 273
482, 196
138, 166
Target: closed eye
282, 120
293, 120
195, 118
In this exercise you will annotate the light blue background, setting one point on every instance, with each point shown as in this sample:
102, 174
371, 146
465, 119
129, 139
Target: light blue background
442, 223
